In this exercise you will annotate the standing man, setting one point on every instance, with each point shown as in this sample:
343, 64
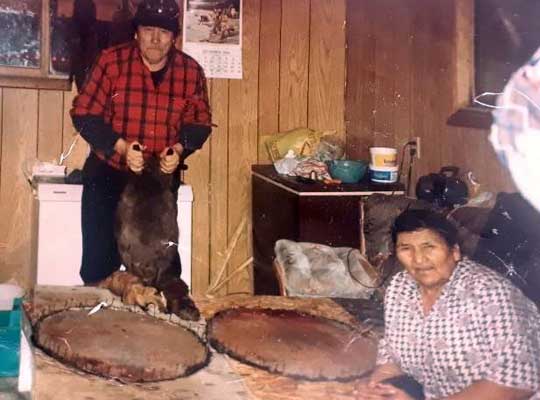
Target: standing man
140, 99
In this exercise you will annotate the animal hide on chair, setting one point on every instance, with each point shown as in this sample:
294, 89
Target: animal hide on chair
147, 234
380, 211
316, 270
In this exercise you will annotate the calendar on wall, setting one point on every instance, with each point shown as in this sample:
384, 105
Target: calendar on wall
212, 35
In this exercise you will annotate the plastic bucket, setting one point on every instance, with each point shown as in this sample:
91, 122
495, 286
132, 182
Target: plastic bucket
383, 157
8, 295
383, 174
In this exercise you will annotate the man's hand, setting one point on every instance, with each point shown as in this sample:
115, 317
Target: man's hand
134, 157
170, 158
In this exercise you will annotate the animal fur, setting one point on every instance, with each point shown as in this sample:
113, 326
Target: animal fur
317, 270
146, 225
380, 211
133, 291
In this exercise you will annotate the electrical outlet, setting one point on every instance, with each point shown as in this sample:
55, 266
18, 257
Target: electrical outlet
418, 142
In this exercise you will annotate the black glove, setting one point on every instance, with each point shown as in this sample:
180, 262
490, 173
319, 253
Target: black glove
193, 137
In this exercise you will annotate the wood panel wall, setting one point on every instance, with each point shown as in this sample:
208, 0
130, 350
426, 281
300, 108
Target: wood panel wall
409, 69
406, 72
294, 75
34, 124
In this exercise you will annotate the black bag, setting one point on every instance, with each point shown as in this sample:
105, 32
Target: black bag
444, 189
408, 384
509, 243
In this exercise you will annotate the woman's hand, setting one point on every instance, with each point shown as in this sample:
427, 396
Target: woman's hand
379, 391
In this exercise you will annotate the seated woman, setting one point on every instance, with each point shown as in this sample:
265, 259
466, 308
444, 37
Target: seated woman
458, 328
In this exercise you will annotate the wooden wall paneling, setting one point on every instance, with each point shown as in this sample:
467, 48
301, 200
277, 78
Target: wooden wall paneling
81, 149
327, 68
360, 78
384, 129
293, 94
422, 84
19, 143
1, 124
219, 178
402, 62
243, 146
442, 25
50, 125
463, 53
434, 51
477, 155
269, 72
473, 152
198, 176
68, 132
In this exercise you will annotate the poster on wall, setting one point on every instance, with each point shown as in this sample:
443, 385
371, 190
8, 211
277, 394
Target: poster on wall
212, 35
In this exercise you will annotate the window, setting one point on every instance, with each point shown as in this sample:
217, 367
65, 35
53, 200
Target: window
503, 37
25, 46
45, 42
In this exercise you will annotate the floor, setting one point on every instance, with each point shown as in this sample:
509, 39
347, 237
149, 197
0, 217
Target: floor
8, 390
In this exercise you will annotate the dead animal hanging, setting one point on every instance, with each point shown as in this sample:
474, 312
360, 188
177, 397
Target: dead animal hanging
146, 231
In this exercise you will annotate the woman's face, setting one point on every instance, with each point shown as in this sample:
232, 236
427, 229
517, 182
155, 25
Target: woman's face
426, 257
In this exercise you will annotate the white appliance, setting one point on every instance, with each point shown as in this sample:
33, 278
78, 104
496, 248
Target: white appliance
59, 243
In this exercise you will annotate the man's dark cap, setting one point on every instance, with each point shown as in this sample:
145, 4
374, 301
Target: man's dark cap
160, 13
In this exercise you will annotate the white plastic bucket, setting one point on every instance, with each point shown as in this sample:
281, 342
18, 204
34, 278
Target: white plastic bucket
8, 294
383, 157
383, 174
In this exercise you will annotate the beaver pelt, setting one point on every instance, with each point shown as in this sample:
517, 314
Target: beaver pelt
147, 235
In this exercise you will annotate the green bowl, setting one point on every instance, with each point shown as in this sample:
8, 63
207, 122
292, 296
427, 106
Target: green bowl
347, 171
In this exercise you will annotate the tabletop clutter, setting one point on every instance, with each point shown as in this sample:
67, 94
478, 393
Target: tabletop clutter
312, 156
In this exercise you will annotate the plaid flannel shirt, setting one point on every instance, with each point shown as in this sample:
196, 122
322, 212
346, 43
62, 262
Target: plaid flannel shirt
120, 89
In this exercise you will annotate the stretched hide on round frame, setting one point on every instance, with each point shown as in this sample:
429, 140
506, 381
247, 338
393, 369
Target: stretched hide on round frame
293, 344
122, 345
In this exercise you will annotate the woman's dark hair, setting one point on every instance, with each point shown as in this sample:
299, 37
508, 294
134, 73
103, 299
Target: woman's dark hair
414, 220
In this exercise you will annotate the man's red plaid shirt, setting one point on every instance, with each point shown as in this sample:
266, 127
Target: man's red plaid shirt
121, 90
